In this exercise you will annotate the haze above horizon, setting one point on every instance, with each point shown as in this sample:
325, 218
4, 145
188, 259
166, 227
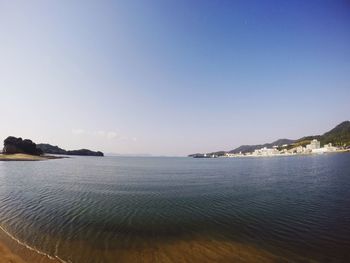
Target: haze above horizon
172, 77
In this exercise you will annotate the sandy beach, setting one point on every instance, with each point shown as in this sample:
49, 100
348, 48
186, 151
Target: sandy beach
27, 157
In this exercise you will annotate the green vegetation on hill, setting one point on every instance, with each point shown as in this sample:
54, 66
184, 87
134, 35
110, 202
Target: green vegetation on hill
338, 136
301, 142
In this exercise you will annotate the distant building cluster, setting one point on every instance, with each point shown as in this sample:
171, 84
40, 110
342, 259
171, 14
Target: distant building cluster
313, 147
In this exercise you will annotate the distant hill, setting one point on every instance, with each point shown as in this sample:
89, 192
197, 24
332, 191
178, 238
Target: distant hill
252, 148
338, 136
50, 149
85, 152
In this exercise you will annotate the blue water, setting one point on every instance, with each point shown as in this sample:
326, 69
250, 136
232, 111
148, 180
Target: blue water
129, 209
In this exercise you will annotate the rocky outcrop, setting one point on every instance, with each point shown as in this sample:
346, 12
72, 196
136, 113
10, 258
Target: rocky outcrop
14, 145
85, 152
48, 148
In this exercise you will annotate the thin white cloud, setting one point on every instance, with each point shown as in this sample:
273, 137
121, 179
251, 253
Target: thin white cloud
78, 131
111, 135
103, 134
100, 133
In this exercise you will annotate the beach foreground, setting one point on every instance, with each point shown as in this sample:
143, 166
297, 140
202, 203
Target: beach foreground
195, 250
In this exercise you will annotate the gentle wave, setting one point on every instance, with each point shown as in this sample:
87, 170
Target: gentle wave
19, 242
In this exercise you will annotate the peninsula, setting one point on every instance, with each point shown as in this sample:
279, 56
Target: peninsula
18, 149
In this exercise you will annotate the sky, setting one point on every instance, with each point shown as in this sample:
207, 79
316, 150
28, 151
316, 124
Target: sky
172, 77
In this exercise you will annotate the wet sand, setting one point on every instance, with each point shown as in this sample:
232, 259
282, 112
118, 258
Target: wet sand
188, 251
181, 251
200, 249
7, 256
203, 250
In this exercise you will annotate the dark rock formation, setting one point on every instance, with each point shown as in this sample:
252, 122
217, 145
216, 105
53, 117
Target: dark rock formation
85, 152
48, 148
14, 145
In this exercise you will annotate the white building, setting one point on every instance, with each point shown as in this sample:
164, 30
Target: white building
298, 149
314, 144
265, 152
326, 148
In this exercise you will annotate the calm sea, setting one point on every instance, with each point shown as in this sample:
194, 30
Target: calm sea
121, 209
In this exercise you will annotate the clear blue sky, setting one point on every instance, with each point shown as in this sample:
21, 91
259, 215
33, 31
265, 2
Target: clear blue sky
172, 77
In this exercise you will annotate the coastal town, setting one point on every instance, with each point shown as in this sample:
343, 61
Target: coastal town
335, 140
314, 147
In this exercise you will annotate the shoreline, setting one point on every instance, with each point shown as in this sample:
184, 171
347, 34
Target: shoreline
15, 251
27, 157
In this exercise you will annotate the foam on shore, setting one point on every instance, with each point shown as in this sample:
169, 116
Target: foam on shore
22, 250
